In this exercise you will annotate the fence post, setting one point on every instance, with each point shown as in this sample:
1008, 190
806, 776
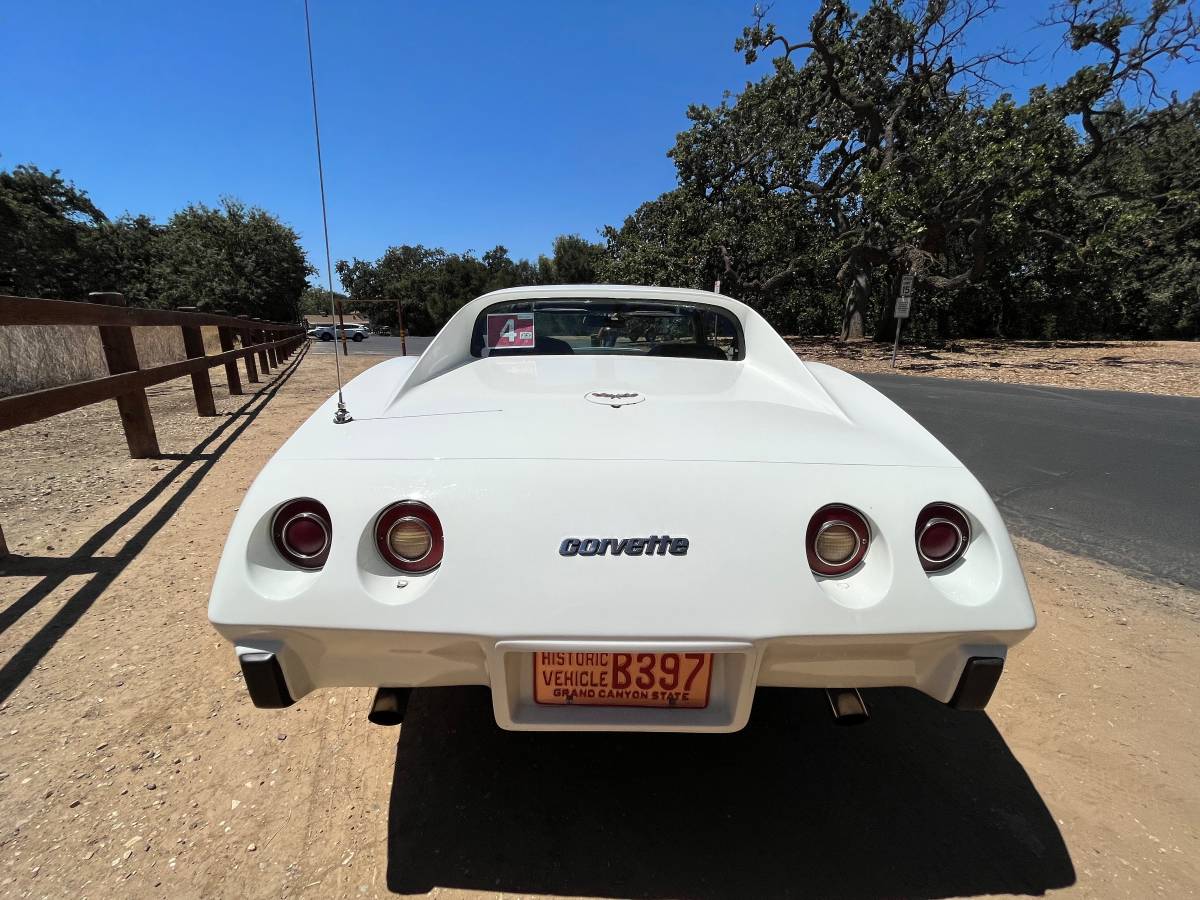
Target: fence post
247, 340
121, 355
225, 335
193, 348
263, 362
272, 352
3, 545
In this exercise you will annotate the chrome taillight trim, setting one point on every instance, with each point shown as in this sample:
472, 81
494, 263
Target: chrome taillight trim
837, 513
320, 523
942, 513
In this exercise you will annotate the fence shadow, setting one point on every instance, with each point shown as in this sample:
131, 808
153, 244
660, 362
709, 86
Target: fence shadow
921, 802
177, 484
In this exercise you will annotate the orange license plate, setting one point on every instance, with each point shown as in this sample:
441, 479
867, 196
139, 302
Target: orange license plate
679, 680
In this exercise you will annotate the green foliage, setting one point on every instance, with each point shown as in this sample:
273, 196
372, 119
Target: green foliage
433, 284
869, 152
55, 243
1144, 243
126, 255
234, 257
576, 261
315, 301
44, 226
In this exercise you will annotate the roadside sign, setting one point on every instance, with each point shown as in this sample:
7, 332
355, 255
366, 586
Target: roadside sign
904, 300
903, 305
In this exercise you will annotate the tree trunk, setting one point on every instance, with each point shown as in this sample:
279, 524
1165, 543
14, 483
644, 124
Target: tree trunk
855, 310
885, 321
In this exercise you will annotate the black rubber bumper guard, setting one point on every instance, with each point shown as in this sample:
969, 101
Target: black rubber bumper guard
268, 689
978, 680
264, 681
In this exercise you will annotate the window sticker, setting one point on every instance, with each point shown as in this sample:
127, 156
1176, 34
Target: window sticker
506, 331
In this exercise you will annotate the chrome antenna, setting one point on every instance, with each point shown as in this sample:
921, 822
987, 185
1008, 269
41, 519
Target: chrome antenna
342, 416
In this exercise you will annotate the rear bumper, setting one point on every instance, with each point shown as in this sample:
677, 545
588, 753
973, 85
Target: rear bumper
283, 665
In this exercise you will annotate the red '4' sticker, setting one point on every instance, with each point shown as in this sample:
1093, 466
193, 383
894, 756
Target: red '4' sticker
507, 330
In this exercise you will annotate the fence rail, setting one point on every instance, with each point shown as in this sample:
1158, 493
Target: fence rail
263, 345
100, 310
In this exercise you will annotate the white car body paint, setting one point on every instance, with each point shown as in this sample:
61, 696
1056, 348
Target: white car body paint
514, 457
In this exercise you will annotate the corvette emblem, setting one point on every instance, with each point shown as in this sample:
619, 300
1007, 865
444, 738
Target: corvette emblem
655, 545
615, 399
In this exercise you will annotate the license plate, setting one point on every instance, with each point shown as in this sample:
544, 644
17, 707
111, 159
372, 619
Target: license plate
679, 680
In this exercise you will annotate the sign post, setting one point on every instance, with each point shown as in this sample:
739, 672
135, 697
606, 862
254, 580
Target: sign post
403, 333
903, 305
341, 324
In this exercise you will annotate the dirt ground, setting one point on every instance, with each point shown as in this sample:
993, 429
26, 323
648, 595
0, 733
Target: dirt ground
133, 765
1150, 367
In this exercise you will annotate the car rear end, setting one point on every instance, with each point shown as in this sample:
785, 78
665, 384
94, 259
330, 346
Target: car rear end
569, 637
628, 534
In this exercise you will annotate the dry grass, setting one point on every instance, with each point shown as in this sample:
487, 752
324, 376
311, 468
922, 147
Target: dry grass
34, 357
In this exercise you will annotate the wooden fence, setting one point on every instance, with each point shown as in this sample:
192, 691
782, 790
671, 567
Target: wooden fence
263, 345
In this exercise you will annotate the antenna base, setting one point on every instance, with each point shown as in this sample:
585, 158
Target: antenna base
341, 417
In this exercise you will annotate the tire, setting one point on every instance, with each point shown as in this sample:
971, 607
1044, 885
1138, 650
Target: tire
357, 338
327, 337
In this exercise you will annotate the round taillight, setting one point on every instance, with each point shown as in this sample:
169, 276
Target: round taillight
837, 541
409, 537
942, 535
302, 532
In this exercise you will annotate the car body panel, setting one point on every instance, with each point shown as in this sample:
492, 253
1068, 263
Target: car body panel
735, 456
535, 408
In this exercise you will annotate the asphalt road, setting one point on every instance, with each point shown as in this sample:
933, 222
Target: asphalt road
1111, 475
376, 345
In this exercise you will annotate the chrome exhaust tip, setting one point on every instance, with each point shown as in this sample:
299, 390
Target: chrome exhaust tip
847, 705
389, 706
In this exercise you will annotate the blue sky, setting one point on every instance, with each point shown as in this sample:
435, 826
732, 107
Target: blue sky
460, 125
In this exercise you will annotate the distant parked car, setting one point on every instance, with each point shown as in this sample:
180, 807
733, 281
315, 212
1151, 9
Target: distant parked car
353, 332
383, 331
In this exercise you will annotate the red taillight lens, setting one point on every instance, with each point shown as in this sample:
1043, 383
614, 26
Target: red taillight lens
302, 532
837, 541
409, 537
943, 532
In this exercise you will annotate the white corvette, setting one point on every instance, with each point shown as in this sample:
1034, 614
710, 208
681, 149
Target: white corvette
620, 508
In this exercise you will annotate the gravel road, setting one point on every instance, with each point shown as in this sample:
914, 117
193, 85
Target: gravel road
375, 345
133, 765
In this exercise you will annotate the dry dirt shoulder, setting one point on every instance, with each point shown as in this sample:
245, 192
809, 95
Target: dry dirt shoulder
1149, 367
132, 764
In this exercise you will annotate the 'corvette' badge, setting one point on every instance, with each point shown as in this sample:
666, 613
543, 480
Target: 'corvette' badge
655, 545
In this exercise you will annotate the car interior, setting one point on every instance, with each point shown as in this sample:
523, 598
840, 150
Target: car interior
612, 327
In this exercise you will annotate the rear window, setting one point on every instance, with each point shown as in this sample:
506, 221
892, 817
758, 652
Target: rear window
607, 327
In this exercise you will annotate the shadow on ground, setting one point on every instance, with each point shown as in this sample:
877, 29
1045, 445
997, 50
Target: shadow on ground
921, 802
173, 488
